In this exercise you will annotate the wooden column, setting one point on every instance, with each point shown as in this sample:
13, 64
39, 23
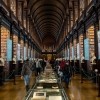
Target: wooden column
19, 66
22, 13
11, 36
96, 28
11, 67
8, 3
85, 3
84, 37
0, 34
69, 21
73, 12
77, 41
78, 8
27, 20
17, 9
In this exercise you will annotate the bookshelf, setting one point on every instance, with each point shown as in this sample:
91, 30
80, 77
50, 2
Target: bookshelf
26, 45
75, 48
90, 35
22, 48
29, 51
13, 6
4, 36
81, 43
15, 42
5, 1
71, 50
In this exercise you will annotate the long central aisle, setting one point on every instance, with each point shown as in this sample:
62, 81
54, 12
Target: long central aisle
47, 87
76, 90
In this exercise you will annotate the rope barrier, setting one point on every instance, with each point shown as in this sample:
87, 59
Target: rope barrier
89, 77
85, 73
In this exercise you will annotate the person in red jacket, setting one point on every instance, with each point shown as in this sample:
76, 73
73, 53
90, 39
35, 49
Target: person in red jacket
62, 64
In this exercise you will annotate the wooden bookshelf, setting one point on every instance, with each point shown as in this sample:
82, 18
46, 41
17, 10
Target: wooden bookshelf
90, 34
4, 36
70, 50
13, 6
75, 48
22, 48
81, 43
15, 42
26, 49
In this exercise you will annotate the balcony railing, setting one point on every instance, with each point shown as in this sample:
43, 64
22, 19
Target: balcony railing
6, 10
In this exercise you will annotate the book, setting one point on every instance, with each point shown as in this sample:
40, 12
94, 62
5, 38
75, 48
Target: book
55, 98
39, 96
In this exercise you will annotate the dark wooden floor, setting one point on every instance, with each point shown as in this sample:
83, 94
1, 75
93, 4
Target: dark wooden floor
76, 91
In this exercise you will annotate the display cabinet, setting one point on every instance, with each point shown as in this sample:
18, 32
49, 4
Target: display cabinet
46, 94
47, 86
47, 77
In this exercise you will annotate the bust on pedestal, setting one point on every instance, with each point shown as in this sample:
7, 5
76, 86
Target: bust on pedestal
93, 61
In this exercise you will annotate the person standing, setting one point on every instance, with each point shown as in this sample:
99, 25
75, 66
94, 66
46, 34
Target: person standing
43, 64
26, 74
38, 67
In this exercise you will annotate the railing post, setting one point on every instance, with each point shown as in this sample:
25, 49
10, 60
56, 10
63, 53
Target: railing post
99, 85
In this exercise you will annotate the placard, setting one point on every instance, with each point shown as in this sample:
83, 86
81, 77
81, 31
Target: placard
98, 44
9, 50
29, 53
86, 48
78, 51
72, 53
24, 53
18, 51
68, 54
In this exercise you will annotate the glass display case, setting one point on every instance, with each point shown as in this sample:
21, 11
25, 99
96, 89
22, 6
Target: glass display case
46, 94
47, 86
47, 77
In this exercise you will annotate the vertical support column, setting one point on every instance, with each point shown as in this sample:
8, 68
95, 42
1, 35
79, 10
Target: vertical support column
27, 20
0, 34
22, 13
8, 3
77, 41
78, 8
11, 65
96, 28
69, 21
19, 66
17, 8
85, 3
73, 12
24, 48
84, 37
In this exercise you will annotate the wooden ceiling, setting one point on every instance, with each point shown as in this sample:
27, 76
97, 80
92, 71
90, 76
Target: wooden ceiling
48, 17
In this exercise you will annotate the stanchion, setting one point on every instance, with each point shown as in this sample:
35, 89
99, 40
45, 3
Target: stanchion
81, 76
96, 71
14, 81
99, 85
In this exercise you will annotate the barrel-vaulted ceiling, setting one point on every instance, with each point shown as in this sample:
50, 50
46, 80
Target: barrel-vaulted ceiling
48, 17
